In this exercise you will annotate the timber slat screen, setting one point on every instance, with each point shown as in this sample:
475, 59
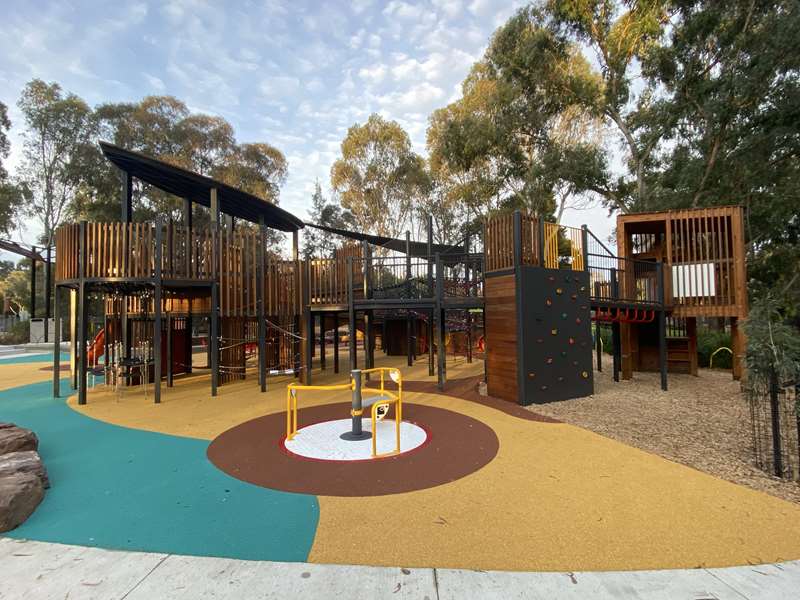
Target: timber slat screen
701, 258
703, 253
127, 251
327, 277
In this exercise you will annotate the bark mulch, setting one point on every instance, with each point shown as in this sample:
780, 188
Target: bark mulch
702, 422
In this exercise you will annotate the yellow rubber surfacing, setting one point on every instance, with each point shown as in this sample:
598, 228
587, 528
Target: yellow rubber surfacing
556, 497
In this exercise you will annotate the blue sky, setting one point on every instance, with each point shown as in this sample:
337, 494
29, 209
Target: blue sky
294, 74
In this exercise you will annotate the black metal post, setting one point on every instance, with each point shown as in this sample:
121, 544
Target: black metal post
170, 338
48, 284
585, 246
82, 315
409, 333
126, 198
57, 347
775, 409
598, 343
441, 352
322, 362
351, 313
431, 292
615, 334
662, 326
262, 319
369, 358
522, 395
157, 320
187, 223
213, 342
336, 342
33, 283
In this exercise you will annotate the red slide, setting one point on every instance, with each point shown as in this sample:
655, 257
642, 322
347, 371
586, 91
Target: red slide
96, 350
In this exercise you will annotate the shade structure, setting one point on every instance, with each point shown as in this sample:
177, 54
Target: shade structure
197, 188
399, 245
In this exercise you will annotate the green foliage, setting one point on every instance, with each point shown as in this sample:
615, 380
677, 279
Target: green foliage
772, 344
516, 138
318, 243
379, 177
58, 139
710, 340
19, 333
10, 195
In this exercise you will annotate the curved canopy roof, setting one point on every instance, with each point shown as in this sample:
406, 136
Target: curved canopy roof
419, 249
197, 188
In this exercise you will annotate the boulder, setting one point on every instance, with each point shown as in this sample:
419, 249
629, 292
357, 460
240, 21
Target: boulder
16, 439
20, 494
27, 461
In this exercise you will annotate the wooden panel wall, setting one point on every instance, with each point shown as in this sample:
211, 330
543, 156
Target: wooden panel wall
501, 337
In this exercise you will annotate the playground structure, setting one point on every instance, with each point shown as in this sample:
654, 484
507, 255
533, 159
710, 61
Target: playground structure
530, 289
703, 251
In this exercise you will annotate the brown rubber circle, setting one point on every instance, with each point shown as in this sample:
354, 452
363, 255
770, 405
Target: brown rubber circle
457, 445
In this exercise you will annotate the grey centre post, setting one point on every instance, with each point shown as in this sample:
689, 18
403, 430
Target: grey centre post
356, 432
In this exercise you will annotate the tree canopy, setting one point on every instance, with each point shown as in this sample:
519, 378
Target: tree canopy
379, 177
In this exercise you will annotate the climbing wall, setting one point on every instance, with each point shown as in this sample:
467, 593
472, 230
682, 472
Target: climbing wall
556, 331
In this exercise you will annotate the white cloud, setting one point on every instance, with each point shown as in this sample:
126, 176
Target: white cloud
450, 8
373, 74
156, 84
279, 86
403, 10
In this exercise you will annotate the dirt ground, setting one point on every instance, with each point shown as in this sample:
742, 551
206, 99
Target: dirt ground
702, 422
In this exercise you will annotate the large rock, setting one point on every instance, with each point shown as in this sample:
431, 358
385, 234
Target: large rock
16, 439
27, 461
20, 494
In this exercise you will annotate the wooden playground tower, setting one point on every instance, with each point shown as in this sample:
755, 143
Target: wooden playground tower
538, 285
703, 253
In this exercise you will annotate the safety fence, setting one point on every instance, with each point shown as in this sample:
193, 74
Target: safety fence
775, 426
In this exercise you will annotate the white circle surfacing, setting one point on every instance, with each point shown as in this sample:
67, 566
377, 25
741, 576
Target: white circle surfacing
321, 440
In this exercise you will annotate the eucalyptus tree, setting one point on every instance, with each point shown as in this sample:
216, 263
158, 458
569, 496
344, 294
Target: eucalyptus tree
379, 177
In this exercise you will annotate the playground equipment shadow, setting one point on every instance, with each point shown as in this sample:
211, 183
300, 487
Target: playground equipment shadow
555, 497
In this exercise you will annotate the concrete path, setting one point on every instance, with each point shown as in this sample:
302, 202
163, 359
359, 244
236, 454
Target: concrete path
33, 570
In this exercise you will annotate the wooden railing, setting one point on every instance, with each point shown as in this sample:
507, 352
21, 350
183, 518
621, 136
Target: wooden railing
499, 241
128, 251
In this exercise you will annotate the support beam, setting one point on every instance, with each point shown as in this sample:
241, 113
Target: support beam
616, 349
336, 343
598, 343
157, 319
73, 338
322, 341
57, 347
297, 345
441, 324
33, 283
431, 292
262, 319
126, 198
170, 339
369, 342
409, 330
308, 321
187, 339
662, 327
351, 313
48, 284
82, 314
213, 343
522, 396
